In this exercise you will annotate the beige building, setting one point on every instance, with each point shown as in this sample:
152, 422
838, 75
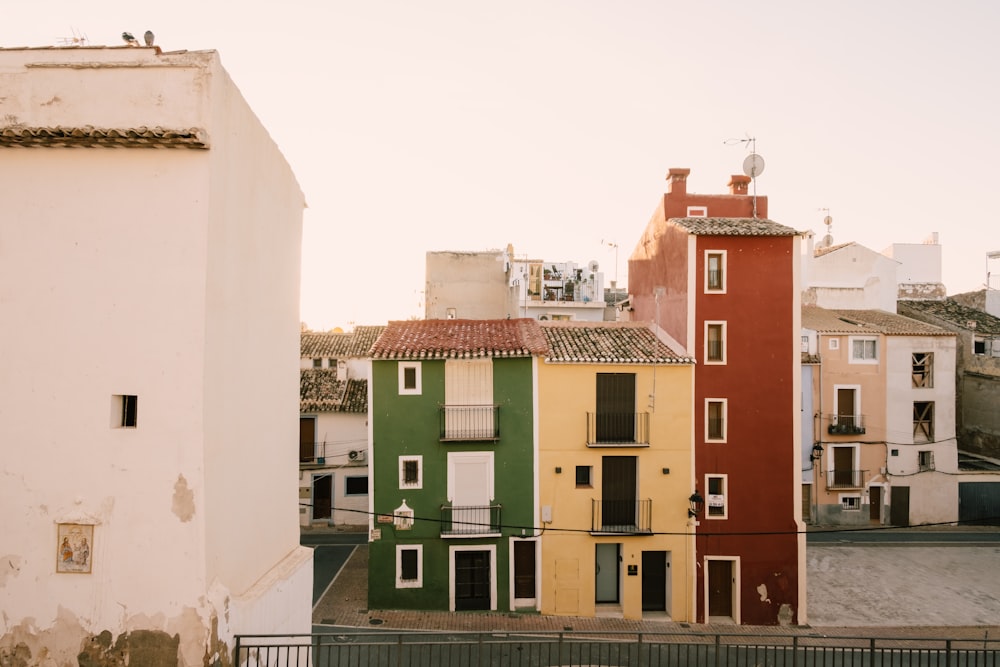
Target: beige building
149, 275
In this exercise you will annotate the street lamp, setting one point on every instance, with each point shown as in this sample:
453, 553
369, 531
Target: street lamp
695, 504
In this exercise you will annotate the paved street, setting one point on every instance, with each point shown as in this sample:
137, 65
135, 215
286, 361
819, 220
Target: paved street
900, 589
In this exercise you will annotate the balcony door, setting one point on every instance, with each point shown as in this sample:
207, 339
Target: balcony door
618, 492
468, 397
845, 409
615, 407
470, 490
843, 464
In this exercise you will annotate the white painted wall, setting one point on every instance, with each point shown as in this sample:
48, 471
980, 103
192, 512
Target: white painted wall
918, 262
343, 432
853, 277
171, 274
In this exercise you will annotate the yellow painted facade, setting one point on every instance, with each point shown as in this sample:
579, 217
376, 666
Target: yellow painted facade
570, 557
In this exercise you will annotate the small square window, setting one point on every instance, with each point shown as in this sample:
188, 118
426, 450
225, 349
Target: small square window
925, 460
411, 472
356, 486
864, 350
317, 363
850, 503
584, 476
409, 378
451, 314
124, 411
834, 343
409, 566
716, 505
979, 346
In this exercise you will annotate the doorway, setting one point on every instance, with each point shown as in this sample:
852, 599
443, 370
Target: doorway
899, 506
322, 496
656, 581
472, 580
721, 582
618, 493
607, 573
875, 504
524, 572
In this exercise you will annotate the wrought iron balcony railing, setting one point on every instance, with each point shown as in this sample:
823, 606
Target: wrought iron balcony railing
845, 479
610, 429
470, 422
463, 521
624, 517
846, 425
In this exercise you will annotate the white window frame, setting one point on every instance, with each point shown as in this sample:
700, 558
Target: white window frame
414, 583
855, 409
845, 499
697, 211
725, 496
454, 457
120, 411
834, 343
419, 484
403, 367
737, 586
854, 339
725, 354
723, 268
725, 419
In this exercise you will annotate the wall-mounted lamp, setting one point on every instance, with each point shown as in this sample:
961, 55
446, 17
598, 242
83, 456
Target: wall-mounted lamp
817, 452
695, 504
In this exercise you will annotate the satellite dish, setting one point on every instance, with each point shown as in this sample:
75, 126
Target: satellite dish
753, 165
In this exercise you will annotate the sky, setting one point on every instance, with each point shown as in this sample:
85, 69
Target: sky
430, 125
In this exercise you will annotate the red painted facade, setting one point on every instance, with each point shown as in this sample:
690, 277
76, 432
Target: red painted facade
758, 382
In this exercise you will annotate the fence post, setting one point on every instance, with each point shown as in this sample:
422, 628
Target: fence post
718, 648
795, 651
639, 644
871, 659
560, 647
947, 648
399, 649
236, 651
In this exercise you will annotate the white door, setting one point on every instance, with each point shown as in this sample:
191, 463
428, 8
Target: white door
470, 490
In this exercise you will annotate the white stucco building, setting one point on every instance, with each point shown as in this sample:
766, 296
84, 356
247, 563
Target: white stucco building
150, 235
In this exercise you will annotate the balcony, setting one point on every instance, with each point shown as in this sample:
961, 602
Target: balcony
465, 423
845, 479
846, 425
618, 429
622, 517
464, 521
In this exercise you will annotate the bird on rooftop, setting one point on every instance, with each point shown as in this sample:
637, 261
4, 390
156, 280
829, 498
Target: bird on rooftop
129, 39
148, 37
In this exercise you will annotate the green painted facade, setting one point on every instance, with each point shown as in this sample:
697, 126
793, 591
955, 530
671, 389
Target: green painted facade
411, 425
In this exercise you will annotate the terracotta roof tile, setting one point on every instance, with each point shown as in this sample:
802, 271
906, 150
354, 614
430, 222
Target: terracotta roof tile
339, 345
460, 339
607, 343
832, 321
819, 252
321, 391
733, 227
88, 136
951, 311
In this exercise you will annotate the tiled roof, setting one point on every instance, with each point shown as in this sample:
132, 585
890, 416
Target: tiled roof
819, 252
607, 343
460, 339
321, 391
733, 227
949, 310
831, 321
87, 136
339, 345
810, 358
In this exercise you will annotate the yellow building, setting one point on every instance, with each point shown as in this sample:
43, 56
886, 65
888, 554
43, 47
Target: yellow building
616, 472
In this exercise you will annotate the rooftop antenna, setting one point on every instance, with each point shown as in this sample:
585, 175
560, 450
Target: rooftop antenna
78, 39
753, 164
827, 240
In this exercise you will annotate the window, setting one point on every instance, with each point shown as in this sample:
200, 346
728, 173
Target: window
411, 470
469, 413
717, 507
715, 271
715, 419
847, 418
584, 476
925, 460
124, 410
409, 377
615, 419
697, 211
923, 366
805, 344
356, 486
451, 314
979, 345
834, 343
850, 503
864, 350
317, 363
409, 566
715, 342
923, 421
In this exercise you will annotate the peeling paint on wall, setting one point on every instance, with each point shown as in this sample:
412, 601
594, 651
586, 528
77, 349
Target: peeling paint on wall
762, 591
183, 503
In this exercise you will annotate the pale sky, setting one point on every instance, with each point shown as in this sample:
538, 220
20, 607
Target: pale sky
421, 125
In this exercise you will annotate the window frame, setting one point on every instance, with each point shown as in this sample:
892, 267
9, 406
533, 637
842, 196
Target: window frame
926, 374
847, 500
723, 272
125, 411
354, 494
723, 331
724, 402
923, 419
864, 339
589, 483
419, 460
317, 362
417, 582
415, 366
725, 496
925, 460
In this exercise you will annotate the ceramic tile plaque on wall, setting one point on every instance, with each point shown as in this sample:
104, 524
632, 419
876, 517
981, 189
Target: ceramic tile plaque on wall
75, 545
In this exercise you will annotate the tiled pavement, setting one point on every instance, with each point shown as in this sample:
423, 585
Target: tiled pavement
345, 604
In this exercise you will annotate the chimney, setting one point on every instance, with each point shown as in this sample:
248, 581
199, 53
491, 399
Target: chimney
677, 178
738, 184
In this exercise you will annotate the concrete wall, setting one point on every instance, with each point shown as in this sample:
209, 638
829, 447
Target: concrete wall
918, 262
475, 284
852, 277
159, 274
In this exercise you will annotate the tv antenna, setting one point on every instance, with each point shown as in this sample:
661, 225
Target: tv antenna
78, 39
753, 164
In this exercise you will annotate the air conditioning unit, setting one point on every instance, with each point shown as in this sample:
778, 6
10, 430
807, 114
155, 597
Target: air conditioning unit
357, 455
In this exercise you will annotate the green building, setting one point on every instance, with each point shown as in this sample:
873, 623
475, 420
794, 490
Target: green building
453, 465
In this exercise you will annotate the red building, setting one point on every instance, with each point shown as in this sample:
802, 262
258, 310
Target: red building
723, 281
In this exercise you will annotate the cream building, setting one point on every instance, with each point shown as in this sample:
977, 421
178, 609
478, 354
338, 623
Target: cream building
149, 274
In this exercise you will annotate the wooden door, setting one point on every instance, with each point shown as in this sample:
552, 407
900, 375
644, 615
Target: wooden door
654, 580
322, 496
899, 506
845, 409
307, 439
524, 569
618, 492
615, 407
720, 588
843, 462
875, 504
472, 580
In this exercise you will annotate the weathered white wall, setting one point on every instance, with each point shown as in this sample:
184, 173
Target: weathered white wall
343, 432
918, 262
852, 277
171, 274
475, 284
